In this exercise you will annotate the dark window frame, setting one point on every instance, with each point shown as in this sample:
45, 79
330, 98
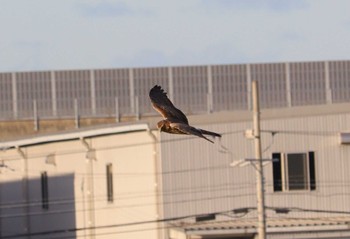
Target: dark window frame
281, 180
44, 190
109, 178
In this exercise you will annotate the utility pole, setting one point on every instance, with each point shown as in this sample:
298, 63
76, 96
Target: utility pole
259, 167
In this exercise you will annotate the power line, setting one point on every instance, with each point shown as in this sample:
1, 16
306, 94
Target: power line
179, 191
169, 225
75, 229
127, 206
245, 210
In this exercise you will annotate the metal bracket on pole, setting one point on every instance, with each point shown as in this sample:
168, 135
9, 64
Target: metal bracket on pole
247, 161
20, 152
91, 152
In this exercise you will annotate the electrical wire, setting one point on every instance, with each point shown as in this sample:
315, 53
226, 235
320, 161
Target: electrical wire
171, 202
209, 187
77, 229
226, 212
127, 206
178, 191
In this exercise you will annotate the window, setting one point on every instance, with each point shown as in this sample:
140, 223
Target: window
44, 191
109, 175
294, 171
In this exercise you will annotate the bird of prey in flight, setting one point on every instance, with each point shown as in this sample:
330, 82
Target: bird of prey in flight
174, 122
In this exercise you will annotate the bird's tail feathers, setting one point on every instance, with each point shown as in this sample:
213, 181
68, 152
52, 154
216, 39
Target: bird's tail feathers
210, 133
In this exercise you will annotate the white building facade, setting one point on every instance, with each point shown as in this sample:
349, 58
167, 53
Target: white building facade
94, 183
307, 189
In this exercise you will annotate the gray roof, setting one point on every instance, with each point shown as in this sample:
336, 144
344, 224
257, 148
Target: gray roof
280, 224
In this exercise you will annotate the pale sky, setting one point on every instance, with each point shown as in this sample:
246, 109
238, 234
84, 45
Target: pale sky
85, 34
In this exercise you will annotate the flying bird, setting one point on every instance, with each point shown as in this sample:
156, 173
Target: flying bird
175, 121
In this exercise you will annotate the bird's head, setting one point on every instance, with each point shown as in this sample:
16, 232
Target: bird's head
161, 125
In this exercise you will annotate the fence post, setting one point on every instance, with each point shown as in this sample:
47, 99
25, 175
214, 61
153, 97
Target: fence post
14, 95
53, 93
132, 90
36, 118
93, 92
210, 91
327, 83
288, 88
209, 103
117, 114
171, 83
137, 108
249, 86
76, 113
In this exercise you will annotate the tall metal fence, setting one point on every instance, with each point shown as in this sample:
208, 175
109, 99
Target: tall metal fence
194, 89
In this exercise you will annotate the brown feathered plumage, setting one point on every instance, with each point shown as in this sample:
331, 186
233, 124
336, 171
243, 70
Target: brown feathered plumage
175, 121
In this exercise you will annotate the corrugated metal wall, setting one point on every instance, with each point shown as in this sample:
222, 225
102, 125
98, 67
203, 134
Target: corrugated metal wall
339, 73
194, 89
112, 89
230, 87
307, 83
146, 78
198, 178
272, 84
190, 88
6, 96
71, 85
33, 88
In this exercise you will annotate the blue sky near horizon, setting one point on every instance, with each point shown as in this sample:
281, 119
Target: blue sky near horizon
82, 34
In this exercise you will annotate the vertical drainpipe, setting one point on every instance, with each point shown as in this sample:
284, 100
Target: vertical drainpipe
90, 157
25, 189
158, 184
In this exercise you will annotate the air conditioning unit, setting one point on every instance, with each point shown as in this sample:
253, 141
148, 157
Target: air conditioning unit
345, 138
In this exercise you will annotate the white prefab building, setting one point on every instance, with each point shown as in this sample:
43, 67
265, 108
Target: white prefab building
129, 181
92, 183
307, 184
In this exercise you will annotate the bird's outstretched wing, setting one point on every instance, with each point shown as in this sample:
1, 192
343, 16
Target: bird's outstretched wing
164, 106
